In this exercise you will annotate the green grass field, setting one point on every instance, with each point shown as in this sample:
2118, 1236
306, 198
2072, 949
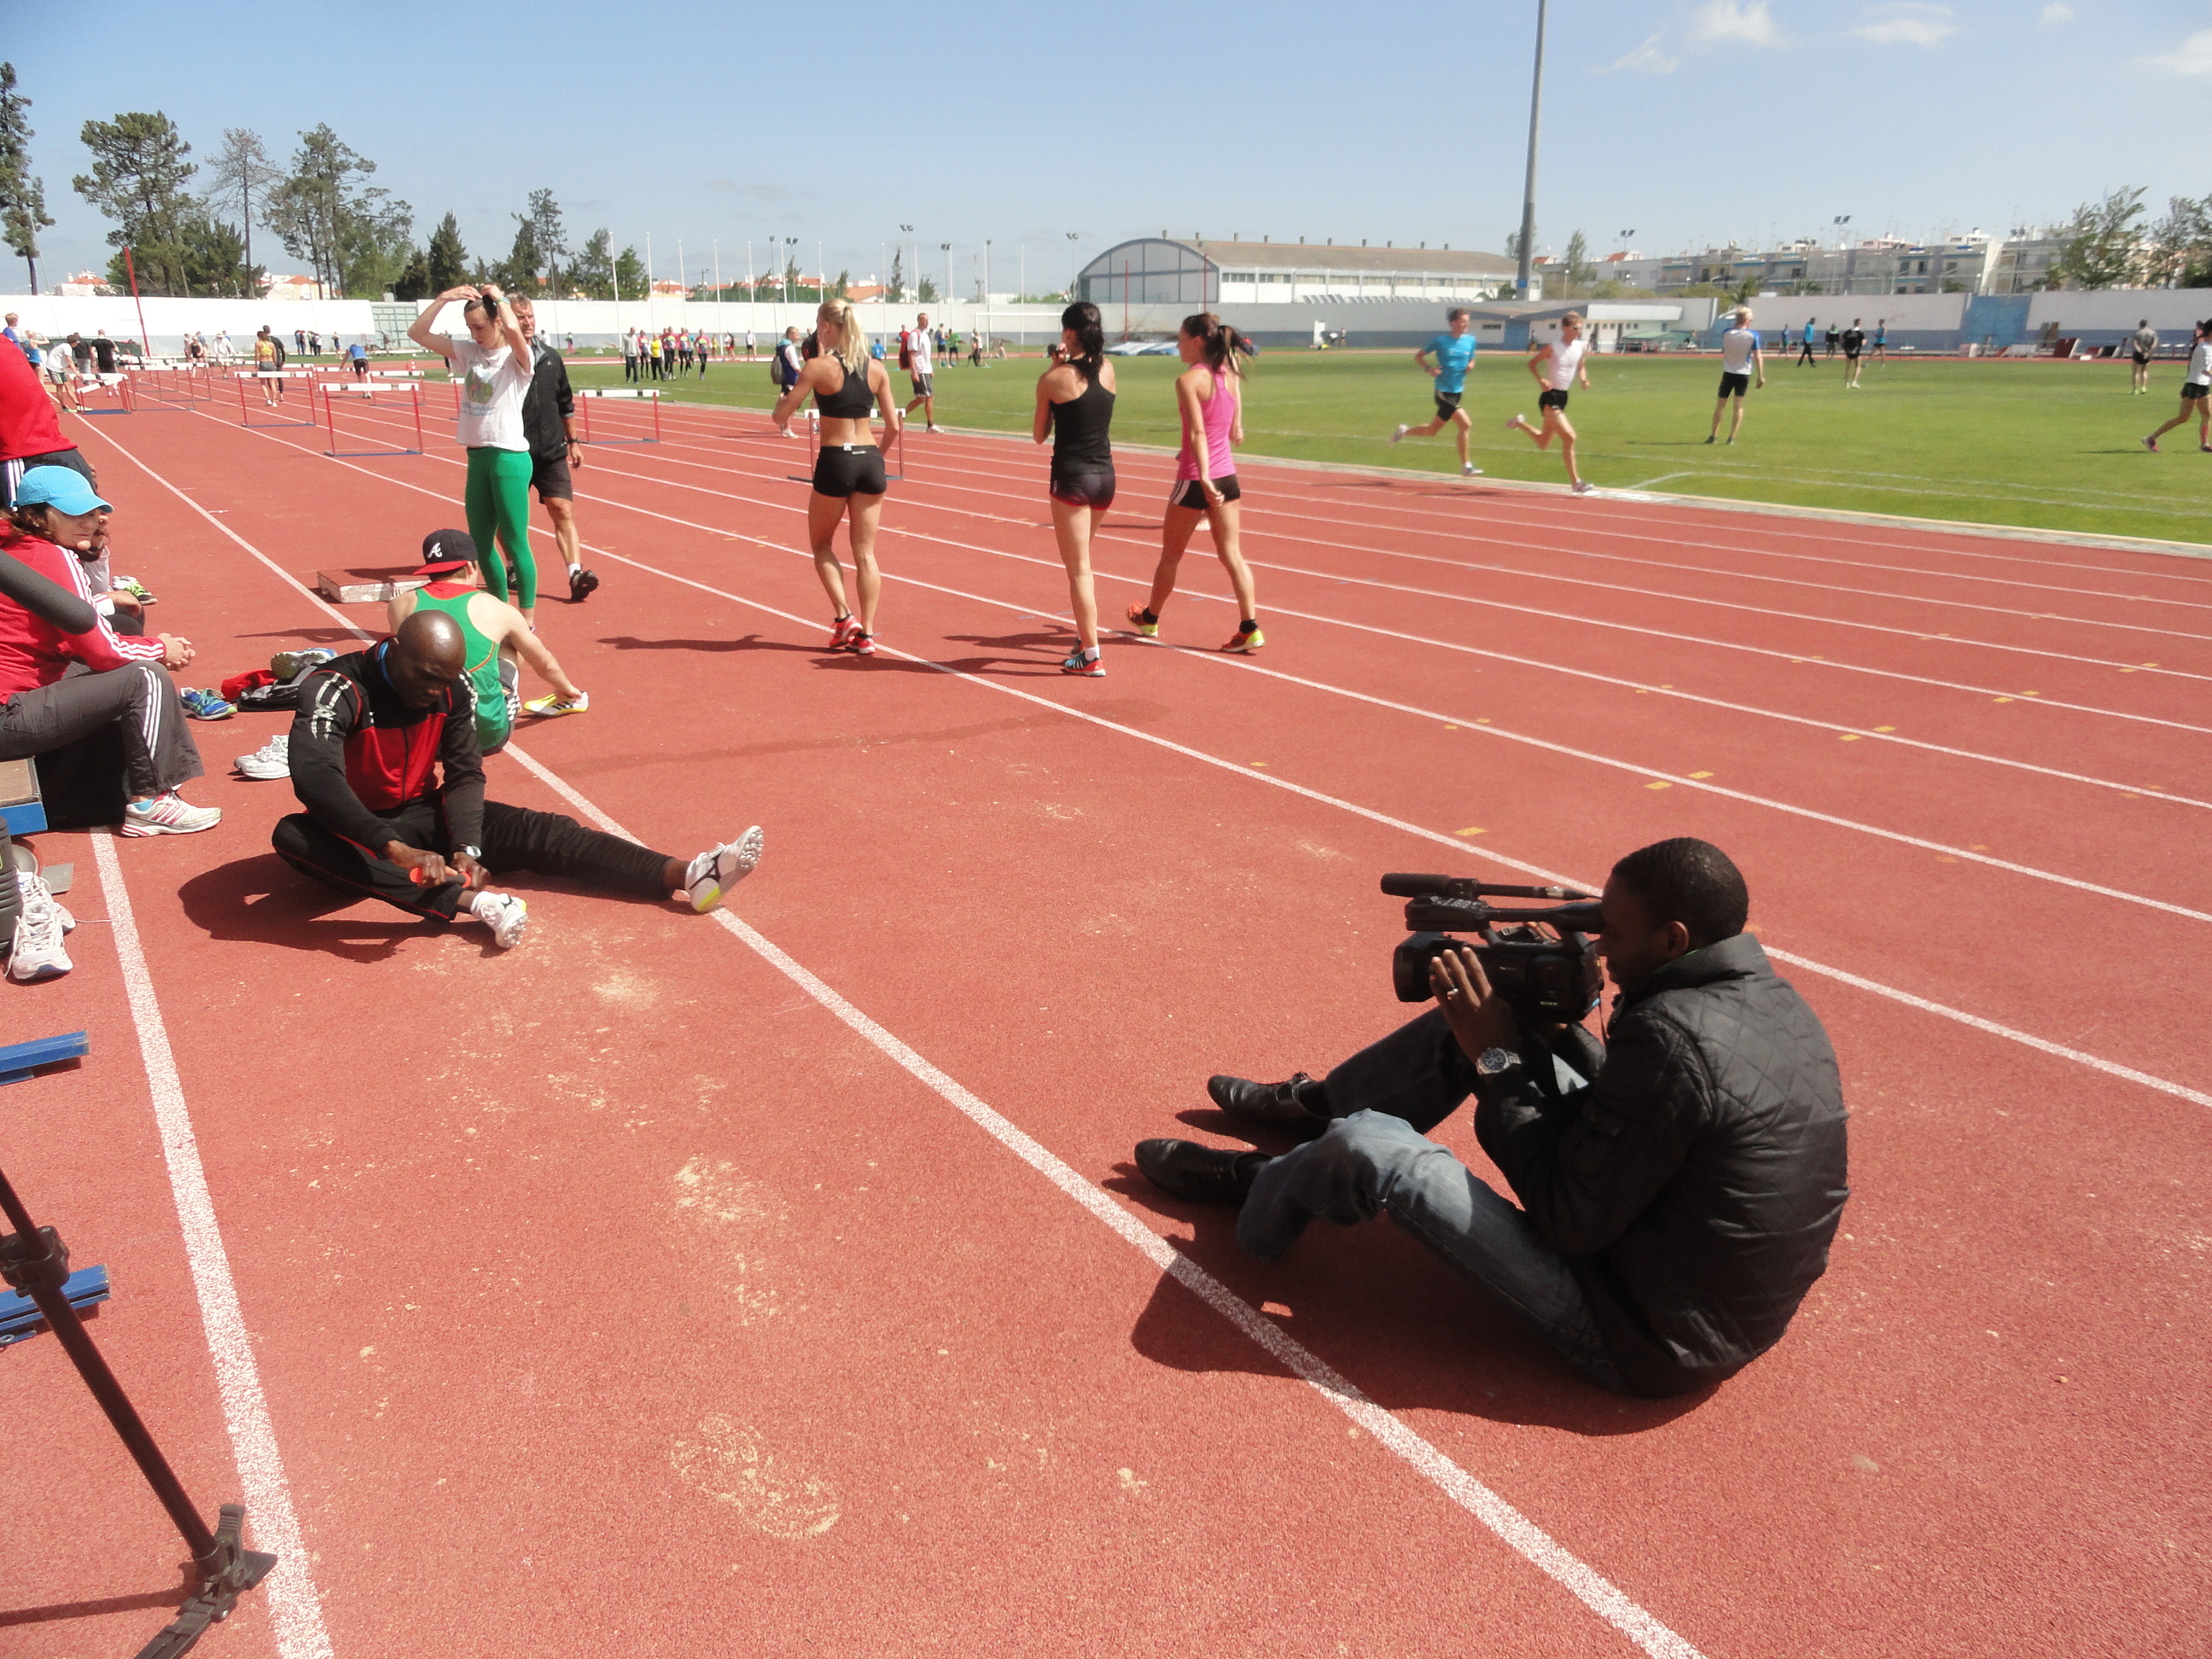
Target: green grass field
2047, 445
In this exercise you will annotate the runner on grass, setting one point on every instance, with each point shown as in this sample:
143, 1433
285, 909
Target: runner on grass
1209, 398
849, 469
2196, 393
1740, 358
494, 364
1555, 367
1805, 354
1454, 351
1074, 408
1879, 345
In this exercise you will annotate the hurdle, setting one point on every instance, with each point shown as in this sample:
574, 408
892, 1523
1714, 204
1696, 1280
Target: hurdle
814, 451
256, 375
173, 383
366, 390
646, 394
118, 384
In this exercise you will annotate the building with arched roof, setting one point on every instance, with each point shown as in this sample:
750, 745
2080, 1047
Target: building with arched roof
1166, 271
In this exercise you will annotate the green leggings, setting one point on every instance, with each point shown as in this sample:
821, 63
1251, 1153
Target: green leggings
498, 498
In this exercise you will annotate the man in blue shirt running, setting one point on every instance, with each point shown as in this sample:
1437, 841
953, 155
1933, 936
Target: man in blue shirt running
1455, 353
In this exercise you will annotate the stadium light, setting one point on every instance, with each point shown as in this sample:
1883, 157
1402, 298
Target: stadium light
1071, 236
1528, 190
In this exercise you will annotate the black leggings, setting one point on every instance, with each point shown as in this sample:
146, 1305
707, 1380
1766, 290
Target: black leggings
514, 838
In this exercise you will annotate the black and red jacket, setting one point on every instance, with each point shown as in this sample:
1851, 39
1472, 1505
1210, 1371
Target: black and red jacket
359, 754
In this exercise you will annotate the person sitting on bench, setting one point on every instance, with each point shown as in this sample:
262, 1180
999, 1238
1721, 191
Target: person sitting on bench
62, 689
375, 730
495, 632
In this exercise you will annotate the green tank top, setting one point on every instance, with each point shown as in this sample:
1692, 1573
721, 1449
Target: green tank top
495, 719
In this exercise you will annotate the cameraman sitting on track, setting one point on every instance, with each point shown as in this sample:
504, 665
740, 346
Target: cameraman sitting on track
1674, 1211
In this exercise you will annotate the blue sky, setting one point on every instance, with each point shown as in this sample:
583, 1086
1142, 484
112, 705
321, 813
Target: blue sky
1689, 121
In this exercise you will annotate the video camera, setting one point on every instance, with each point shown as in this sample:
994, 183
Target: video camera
1543, 962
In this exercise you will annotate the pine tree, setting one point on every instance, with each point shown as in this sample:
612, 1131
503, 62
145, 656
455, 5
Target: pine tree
22, 193
137, 180
447, 260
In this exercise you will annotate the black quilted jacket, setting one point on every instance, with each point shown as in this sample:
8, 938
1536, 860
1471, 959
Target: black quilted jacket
1695, 1186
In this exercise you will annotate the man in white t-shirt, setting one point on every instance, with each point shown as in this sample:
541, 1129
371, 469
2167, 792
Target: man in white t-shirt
919, 373
1740, 359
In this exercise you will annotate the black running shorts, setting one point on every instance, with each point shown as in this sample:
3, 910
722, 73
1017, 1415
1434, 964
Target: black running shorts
548, 476
1192, 494
1092, 488
1447, 405
1549, 398
925, 386
2141, 360
1733, 385
2193, 390
843, 470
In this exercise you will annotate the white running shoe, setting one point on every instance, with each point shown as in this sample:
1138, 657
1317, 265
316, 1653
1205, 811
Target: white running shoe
717, 870
1469, 469
168, 815
1585, 488
36, 953
504, 913
272, 760
1399, 436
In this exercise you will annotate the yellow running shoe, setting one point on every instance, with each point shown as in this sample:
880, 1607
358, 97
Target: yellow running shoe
553, 703
1244, 642
1143, 622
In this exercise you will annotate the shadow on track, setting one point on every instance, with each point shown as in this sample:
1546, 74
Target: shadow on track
167, 1598
263, 899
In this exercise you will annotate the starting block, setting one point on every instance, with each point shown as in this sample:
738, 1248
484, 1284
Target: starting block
22, 807
644, 395
362, 587
19, 1061
21, 1320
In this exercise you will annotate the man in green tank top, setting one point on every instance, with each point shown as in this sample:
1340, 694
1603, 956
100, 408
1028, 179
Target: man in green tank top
496, 635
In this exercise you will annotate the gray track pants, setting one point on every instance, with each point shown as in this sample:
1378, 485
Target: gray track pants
139, 701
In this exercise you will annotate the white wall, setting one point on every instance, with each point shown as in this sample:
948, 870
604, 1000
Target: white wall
2172, 310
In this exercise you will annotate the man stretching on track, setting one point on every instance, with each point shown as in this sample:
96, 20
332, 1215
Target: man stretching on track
373, 731
1740, 360
496, 634
1674, 1208
1454, 351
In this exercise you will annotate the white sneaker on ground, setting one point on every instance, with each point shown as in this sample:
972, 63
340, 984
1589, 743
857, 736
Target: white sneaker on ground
1585, 488
36, 953
1399, 436
272, 760
1469, 469
168, 815
717, 870
504, 913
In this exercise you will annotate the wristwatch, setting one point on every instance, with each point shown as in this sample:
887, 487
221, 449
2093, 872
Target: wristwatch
1495, 1062
477, 853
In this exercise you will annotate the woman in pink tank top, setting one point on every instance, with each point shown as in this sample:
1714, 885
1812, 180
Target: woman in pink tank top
1210, 395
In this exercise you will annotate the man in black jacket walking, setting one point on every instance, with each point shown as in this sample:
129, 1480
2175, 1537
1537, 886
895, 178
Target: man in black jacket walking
1674, 1209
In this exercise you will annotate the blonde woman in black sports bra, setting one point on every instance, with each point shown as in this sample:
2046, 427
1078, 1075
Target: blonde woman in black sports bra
848, 472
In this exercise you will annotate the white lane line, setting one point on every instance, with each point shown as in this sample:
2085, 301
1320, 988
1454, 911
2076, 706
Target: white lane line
1514, 1529
294, 1607
1874, 987
1579, 621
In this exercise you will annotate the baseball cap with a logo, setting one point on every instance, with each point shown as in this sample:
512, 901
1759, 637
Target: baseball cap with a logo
445, 551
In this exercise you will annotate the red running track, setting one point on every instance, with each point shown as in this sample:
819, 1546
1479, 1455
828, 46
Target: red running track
652, 1290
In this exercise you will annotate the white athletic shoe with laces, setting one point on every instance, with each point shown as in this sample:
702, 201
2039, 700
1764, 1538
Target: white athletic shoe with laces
168, 815
272, 760
504, 913
1398, 436
37, 952
717, 870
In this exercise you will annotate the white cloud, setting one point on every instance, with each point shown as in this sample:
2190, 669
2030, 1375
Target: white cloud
1908, 25
1726, 20
2192, 57
2054, 15
1714, 23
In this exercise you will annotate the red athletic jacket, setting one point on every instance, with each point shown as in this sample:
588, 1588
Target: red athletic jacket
28, 426
358, 752
35, 652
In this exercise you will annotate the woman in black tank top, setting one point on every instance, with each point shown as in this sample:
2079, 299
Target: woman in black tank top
1074, 408
848, 472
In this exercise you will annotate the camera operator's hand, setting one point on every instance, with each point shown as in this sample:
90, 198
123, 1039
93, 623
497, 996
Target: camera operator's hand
1479, 1018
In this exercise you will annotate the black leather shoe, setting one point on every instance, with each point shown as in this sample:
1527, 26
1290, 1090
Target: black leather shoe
1275, 1105
582, 584
1204, 1174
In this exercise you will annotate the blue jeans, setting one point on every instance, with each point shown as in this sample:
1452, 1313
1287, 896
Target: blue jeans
1375, 1159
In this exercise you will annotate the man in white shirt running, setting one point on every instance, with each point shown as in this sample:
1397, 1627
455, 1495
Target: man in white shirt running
1740, 358
918, 373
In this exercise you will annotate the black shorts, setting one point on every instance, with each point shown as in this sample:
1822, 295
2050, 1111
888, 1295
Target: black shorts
1192, 494
2142, 361
1547, 398
925, 386
1447, 405
1851, 352
1735, 386
2195, 389
843, 470
1092, 487
548, 476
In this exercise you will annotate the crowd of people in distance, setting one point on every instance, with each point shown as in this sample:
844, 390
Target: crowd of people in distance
647, 355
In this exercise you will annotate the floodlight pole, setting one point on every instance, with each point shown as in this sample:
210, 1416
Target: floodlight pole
1528, 190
